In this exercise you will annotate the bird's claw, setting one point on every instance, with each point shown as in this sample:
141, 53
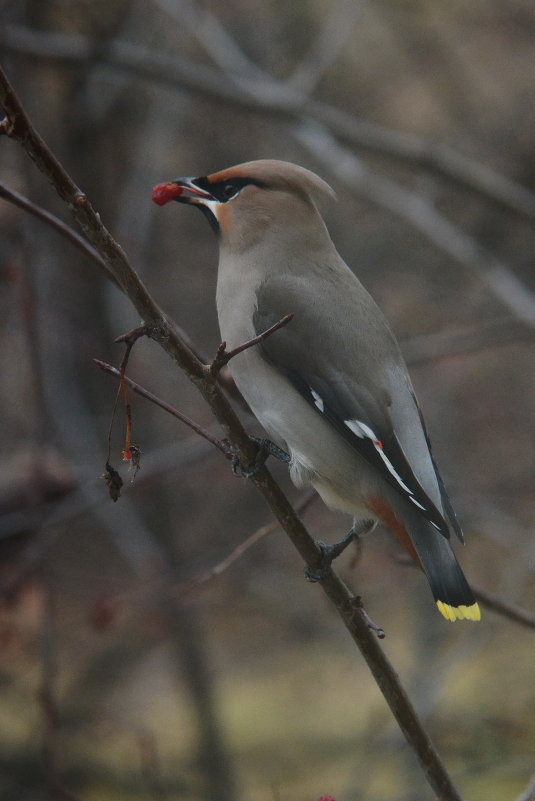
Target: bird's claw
268, 448
265, 448
328, 553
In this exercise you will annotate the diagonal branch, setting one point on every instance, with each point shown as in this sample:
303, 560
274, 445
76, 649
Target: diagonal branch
145, 393
185, 588
512, 611
22, 202
223, 355
163, 331
54, 222
422, 214
333, 35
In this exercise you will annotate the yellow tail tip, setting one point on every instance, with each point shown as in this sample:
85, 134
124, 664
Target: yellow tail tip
452, 613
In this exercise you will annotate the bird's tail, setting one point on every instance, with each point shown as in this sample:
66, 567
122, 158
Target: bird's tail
453, 596
433, 552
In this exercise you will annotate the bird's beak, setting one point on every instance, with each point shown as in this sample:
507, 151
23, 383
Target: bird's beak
182, 189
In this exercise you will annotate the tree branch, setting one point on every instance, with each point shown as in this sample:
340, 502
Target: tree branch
54, 222
421, 213
224, 377
509, 610
462, 341
223, 356
185, 588
225, 449
163, 331
333, 35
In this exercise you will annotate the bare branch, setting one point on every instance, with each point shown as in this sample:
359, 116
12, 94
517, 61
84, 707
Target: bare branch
224, 377
215, 571
262, 97
333, 35
164, 332
145, 393
54, 222
505, 608
420, 212
221, 47
512, 611
223, 355
460, 342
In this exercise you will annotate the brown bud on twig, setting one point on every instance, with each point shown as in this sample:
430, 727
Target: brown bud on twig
114, 482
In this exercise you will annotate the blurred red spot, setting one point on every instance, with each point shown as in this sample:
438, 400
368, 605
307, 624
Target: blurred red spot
163, 193
326, 798
104, 613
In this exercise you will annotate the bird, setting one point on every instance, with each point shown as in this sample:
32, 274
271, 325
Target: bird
331, 387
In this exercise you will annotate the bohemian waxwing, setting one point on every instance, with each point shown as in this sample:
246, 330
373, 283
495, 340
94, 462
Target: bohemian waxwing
331, 387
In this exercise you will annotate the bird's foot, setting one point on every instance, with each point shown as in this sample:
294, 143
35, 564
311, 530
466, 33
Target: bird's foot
266, 448
328, 553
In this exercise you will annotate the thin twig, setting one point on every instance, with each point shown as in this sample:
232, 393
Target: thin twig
145, 393
224, 376
163, 331
512, 611
421, 213
130, 338
186, 588
54, 222
131, 452
464, 341
223, 355
334, 33
379, 631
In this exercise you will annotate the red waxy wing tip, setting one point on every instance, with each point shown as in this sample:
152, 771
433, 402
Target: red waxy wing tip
163, 193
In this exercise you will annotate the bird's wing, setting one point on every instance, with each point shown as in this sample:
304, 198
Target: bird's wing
358, 408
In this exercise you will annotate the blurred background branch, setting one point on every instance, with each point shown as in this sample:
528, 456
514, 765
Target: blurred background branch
253, 93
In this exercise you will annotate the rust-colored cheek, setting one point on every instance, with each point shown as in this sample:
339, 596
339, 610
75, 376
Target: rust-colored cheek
386, 515
224, 219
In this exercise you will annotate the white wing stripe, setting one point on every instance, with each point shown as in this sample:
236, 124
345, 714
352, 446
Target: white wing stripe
392, 470
362, 430
419, 505
318, 400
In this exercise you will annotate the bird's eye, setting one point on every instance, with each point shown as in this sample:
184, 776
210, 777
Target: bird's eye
229, 190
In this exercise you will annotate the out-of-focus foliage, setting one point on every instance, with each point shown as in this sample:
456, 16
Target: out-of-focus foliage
111, 678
